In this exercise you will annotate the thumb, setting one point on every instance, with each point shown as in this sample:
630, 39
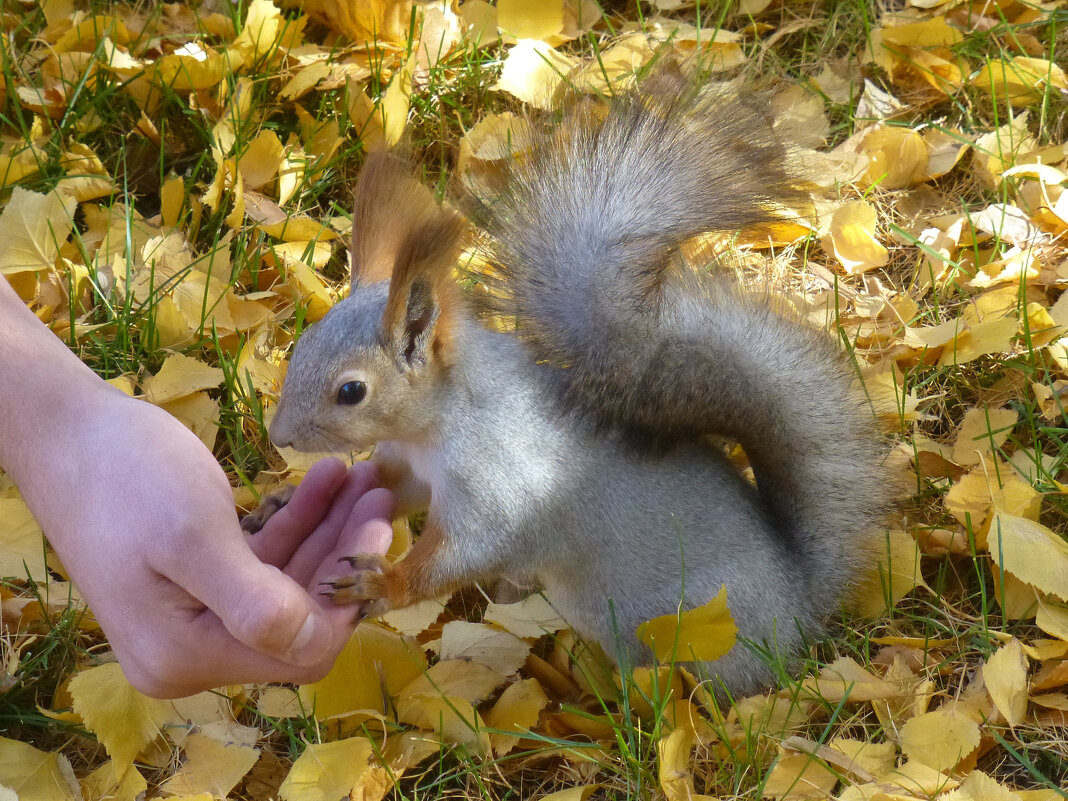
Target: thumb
265, 609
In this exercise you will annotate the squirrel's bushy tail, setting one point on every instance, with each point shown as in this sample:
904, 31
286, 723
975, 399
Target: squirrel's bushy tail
585, 242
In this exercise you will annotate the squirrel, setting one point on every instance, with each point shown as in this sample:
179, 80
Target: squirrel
578, 449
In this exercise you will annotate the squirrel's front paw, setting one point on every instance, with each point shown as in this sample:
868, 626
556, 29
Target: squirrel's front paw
258, 517
368, 584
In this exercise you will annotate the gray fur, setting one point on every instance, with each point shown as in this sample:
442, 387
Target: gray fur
528, 482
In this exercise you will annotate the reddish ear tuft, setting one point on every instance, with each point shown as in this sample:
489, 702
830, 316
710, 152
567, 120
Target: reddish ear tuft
388, 204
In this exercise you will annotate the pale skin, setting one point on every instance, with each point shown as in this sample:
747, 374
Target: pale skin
142, 517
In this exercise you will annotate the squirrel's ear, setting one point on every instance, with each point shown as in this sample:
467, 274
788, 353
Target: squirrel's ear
418, 320
387, 203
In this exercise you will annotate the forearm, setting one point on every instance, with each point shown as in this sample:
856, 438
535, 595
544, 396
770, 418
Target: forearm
44, 391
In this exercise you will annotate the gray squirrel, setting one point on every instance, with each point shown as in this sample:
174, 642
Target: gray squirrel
577, 450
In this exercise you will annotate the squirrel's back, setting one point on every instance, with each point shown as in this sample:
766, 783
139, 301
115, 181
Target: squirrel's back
587, 238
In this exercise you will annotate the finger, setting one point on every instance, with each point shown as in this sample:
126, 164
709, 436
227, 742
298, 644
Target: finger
368, 530
257, 603
163, 670
287, 528
349, 510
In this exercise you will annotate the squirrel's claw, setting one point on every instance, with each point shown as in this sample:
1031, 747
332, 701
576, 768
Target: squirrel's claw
367, 585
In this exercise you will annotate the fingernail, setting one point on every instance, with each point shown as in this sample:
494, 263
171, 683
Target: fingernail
302, 651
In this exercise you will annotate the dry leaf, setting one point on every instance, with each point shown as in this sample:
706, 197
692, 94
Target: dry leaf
210, 767
327, 771
851, 238
1031, 552
515, 712
124, 720
1005, 676
374, 665
32, 775
704, 633
33, 227
939, 739
534, 73
981, 431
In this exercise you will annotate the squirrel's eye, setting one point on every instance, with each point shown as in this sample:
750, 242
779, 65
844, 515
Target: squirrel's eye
351, 393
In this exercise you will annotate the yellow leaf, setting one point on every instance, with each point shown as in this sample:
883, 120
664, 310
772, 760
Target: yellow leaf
989, 336
530, 618
1053, 619
981, 431
530, 19
304, 81
456, 678
13, 168
977, 786
673, 750
172, 200
898, 157
199, 413
1031, 552
851, 238
876, 758
179, 376
124, 720
190, 69
374, 665
35, 775
261, 160
498, 650
327, 771
516, 711
939, 739
1005, 676
33, 227
1022, 80
305, 286
104, 785
889, 43
259, 36
572, 793
845, 678
395, 103
453, 719
22, 549
1041, 327
704, 633
534, 72
210, 767
799, 776
480, 19
894, 575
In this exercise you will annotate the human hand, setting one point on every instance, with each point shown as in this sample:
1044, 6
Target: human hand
143, 519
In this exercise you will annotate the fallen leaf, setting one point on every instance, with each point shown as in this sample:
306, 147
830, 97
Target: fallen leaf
210, 767
124, 720
851, 238
1031, 552
939, 739
327, 771
179, 377
704, 633
1005, 676
515, 712
33, 227
33, 775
